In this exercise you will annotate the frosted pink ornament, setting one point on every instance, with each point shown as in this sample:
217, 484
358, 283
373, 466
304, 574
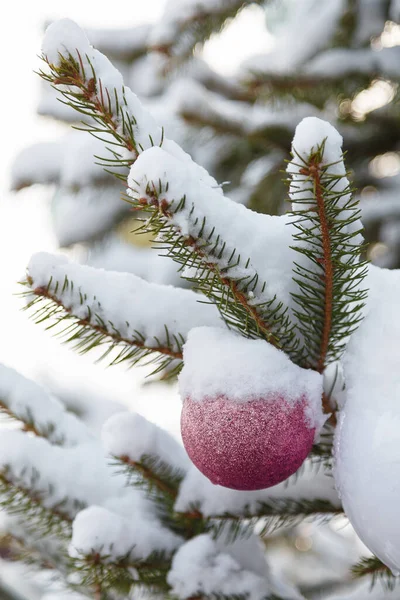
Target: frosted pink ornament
249, 415
246, 446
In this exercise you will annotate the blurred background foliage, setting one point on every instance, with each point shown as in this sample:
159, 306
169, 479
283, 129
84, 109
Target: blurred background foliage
339, 60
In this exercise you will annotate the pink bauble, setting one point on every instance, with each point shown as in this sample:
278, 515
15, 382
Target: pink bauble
247, 445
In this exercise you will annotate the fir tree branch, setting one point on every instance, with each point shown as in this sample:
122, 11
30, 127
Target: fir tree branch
303, 87
276, 513
207, 256
258, 127
269, 318
105, 573
94, 88
28, 423
329, 276
372, 567
77, 301
160, 481
27, 502
40, 414
152, 474
39, 553
85, 335
313, 171
87, 96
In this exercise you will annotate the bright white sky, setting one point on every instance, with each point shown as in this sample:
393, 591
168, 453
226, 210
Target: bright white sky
24, 218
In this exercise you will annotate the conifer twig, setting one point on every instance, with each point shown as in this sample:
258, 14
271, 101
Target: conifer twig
372, 567
24, 501
329, 298
150, 475
115, 337
76, 299
313, 171
208, 258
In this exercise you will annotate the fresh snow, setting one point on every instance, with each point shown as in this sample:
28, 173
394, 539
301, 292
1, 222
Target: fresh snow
124, 43
30, 403
119, 537
310, 134
341, 62
123, 302
38, 163
199, 567
222, 363
84, 214
131, 435
178, 13
317, 22
69, 162
193, 100
151, 264
65, 37
65, 480
262, 240
367, 469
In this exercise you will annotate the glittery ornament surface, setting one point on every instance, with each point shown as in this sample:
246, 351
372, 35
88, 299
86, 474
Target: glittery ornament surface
246, 446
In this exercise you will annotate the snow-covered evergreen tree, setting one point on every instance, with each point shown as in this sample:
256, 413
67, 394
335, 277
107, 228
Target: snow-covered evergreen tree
284, 339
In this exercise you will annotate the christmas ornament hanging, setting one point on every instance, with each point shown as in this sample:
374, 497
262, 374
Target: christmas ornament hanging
249, 415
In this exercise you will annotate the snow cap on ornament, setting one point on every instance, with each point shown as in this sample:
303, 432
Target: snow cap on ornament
249, 415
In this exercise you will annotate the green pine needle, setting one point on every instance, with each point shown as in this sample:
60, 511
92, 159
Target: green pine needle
90, 333
372, 567
197, 254
330, 298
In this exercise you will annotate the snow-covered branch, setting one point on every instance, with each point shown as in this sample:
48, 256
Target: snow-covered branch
328, 240
40, 413
91, 85
149, 455
223, 247
122, 552
91, 306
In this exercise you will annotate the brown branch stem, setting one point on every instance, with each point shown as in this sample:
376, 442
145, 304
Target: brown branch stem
44, 293
28, 427
36, 498
149, 475
237, 294
314, 171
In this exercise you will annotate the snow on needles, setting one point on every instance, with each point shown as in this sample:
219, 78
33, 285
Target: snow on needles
30, 403
199, 567
312, 133
122, 302
64, 38
221, 363
87, 492
60, 474
367, 443
131, 435
136, 537
262, 240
